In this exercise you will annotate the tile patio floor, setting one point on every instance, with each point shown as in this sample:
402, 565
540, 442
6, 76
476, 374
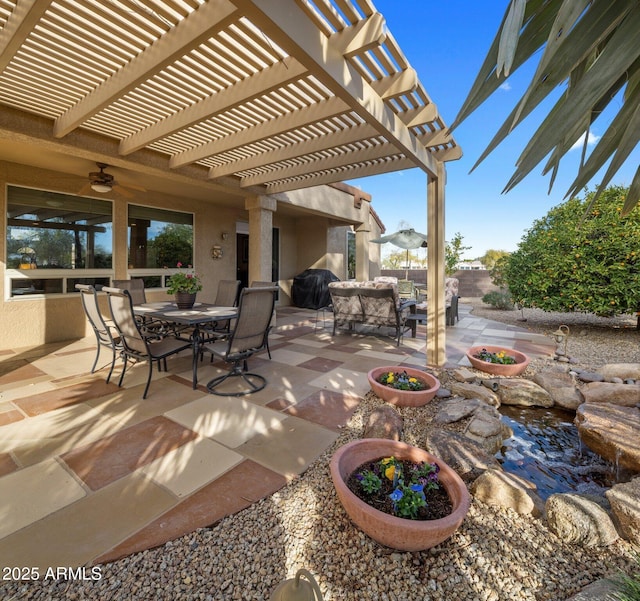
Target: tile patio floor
90, 472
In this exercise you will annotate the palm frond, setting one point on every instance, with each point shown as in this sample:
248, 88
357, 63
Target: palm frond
590, 45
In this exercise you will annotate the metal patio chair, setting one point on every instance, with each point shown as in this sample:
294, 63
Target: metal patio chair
106, 334
247, 337
134, 344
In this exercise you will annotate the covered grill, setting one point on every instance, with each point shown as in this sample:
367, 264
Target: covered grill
310, 289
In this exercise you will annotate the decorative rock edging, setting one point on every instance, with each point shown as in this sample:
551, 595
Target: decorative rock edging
497, 487
624, 506
580, 520
611, 431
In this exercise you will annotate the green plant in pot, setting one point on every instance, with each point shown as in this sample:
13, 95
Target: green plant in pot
184, 285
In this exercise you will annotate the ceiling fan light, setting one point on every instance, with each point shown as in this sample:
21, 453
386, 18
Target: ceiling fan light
100, 187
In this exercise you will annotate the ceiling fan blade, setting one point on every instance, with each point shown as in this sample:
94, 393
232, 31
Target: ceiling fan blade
86, 189
122, 191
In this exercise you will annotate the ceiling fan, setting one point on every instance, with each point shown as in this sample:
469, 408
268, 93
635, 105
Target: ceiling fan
100, 181
103, 183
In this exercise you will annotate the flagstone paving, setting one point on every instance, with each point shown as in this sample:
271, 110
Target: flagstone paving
90, 472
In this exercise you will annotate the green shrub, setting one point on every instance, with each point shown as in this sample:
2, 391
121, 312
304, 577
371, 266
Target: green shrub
499, 299
579, 258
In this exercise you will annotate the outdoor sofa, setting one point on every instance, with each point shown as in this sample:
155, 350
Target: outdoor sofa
369, 303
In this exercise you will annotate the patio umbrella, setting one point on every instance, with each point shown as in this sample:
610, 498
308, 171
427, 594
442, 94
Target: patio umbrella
407, 239
26, 250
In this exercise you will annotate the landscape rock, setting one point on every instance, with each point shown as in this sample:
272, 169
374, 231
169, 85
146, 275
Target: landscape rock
487, 429
561, 387
523, 393
600, 590
443, 393
621, 370
625, 508
577, 519
611, 431
384, 422
465, 456
455, 410
475, 391
591, 376
607, 392
462, 374
496, 487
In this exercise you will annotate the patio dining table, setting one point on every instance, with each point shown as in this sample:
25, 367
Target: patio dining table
200, 315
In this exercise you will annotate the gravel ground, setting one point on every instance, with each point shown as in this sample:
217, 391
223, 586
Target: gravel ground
496, 555
593, 341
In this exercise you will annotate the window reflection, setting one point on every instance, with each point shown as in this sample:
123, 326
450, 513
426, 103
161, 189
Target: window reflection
48, 230
159, 238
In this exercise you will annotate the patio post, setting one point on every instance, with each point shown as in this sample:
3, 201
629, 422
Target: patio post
261, 209
363, 247
436, 337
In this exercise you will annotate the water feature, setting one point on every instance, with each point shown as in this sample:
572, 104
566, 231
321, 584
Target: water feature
545, 449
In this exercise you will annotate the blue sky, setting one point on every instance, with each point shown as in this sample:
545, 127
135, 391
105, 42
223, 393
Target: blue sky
446, 43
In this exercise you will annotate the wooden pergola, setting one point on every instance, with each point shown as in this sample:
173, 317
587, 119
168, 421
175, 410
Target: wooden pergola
231, 98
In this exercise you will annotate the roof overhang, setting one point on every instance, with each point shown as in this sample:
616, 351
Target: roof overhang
231, 97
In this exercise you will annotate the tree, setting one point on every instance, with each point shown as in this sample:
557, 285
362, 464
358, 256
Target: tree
172, 245
490, 258
453, 253
591, 47
569, 263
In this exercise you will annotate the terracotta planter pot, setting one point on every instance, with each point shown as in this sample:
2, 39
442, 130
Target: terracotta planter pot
497, 369
404, 398
185, 300
395, 532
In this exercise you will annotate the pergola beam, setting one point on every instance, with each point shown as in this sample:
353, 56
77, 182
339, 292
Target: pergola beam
352, 172
19, 25
316, 112
341, 137
289, 26
342, 159
189, 33
255, 86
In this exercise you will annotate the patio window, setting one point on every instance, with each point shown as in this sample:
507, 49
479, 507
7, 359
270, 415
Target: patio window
159, 239
351, 255
51, 237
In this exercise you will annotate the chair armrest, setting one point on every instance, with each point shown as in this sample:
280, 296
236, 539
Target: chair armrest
410, 302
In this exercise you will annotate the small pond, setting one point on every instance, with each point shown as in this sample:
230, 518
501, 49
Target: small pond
545, 449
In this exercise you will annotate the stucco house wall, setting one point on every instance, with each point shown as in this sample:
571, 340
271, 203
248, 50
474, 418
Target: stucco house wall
307, 240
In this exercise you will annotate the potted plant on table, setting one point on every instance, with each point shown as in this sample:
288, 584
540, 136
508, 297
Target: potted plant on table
497, 360
403, 386
426, 501
184, 285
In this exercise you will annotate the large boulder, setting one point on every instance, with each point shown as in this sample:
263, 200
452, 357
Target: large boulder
468, 458
523, 393
626, 508
561, 388
475, 391
623, 371
384, 422
496, 487
455, 410
611, 431
627, 395
487, 429
600, 590
576, 519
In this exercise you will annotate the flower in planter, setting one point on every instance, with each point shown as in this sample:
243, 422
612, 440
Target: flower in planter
410, 483
500, 357
184, 281
401, 381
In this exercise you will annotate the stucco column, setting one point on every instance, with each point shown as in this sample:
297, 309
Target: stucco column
436, 337
363, 246
260, 210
